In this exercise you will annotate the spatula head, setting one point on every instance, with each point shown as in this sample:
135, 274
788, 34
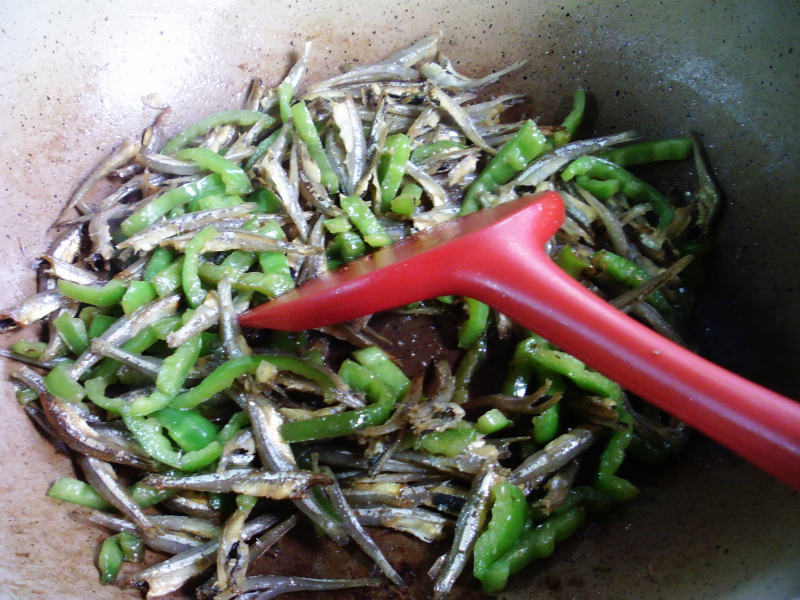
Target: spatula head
435, 262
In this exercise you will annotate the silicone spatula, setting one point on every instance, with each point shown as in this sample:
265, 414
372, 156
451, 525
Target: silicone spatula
497, 256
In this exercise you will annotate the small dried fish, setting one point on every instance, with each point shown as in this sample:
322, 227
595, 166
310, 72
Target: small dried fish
253, 482
31, 309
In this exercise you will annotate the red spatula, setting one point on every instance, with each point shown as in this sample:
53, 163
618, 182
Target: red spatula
497, 256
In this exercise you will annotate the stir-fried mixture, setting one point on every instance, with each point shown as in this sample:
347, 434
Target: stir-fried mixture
208, 443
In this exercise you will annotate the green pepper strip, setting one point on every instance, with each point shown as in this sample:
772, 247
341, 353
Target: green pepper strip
382, 399
647, 152
99, 324
348, 245
224, 375
527, 144
261, 150
377, 361
106, 295
599, 188
426, 151
337, 225
59, 383
408, 200
244, 118
168, 279
509, 516
187, 428
304, 125
233, 177
285, 96
159, 260
174, 371
632, 275
473, 358
475, 325
541, 355
366, 222
160, 206
25, 395
146, 496
630, 185
611, 459
450, 442
68, 489
275, 264
235, 424
534, 542
28, 349
137, 295
109, 559
148, 432
569, 260
96, 392
392, 167
131, 545
573, 119
213, 202
192, 287
492, 421
234, 265
73, 331
546, 425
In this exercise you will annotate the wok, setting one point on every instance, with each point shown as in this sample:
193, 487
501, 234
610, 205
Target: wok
78, 78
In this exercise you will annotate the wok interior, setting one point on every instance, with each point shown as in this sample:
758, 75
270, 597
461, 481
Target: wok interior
80, 79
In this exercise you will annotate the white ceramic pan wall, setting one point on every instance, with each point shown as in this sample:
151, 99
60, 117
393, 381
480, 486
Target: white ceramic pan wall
78, 77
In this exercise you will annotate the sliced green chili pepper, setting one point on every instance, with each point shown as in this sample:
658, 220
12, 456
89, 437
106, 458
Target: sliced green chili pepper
647, 152
599, 188
572, 120
28, 349
630, 185
507, 523
366, 222
632, 275
160, 206
244, 118
382, 399
377, 361
131, 545
348, 245
25, 395
285, 96
168, 279
392, 167
192, 288
492, 421
611, 459
546, 425
337, 225
146, 496
106, 295
109, 559
187, 428
233, 176
307, 131
137, 295
159, 260
261, 150
450, 442
470, 363
59, 383
99, 324
475, 325
148, 432
534, 542
527, 144
96, 392
235, 424
408, 200
569, 260
426, 151
174, 371
69, 489
213, 202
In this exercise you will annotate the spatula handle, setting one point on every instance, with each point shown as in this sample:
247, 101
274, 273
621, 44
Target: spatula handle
758, 424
